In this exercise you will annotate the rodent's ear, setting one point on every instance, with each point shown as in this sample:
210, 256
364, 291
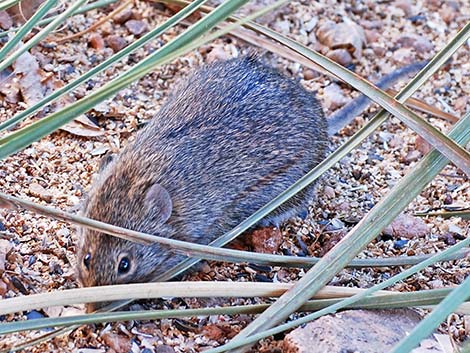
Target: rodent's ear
158, 200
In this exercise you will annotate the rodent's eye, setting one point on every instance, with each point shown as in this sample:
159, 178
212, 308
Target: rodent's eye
124, 265
86, 261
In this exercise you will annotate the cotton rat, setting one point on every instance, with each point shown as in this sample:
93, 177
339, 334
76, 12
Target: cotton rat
232, 137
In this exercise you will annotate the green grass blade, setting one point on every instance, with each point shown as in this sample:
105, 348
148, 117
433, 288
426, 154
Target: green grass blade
41, 35
6, 4
432, 321
242, 341
387, 301
364, 232
22, 138
104, 65
445, 214
27, 27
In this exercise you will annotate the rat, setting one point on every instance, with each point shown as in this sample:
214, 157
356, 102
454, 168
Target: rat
232, 136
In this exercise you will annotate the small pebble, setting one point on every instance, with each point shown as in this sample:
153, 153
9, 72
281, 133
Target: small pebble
262, 278
400, 244
33, 314
412, 156
164, 349
310, 74
39, 191
341, 56
448, 238
5, 20
32, 259
329, 192
136, 27
422, 145
19, 285
417, 19
357, 173
123, 16
453, 228
96, 41
116, 43
448, 199
405, 6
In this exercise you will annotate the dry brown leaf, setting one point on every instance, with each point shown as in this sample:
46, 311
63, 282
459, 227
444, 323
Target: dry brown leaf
219, 332
85, 130
119, 343
9, 87
5, 247
30, 79
39, 191
82, 125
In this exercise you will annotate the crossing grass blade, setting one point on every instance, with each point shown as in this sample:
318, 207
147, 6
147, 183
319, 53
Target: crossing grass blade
428, 298
102, 66
364, 232
6, 4
41, 35
203, 251
377, 303
437, 61
432, 321
160, 290
22, 138
27, 27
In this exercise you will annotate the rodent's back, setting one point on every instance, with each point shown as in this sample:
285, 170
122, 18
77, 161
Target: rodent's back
232, 137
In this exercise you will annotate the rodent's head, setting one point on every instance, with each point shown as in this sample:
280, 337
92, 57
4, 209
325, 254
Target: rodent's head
105, 260
119, 198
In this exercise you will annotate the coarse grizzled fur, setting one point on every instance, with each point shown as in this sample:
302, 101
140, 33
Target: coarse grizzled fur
231, 138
